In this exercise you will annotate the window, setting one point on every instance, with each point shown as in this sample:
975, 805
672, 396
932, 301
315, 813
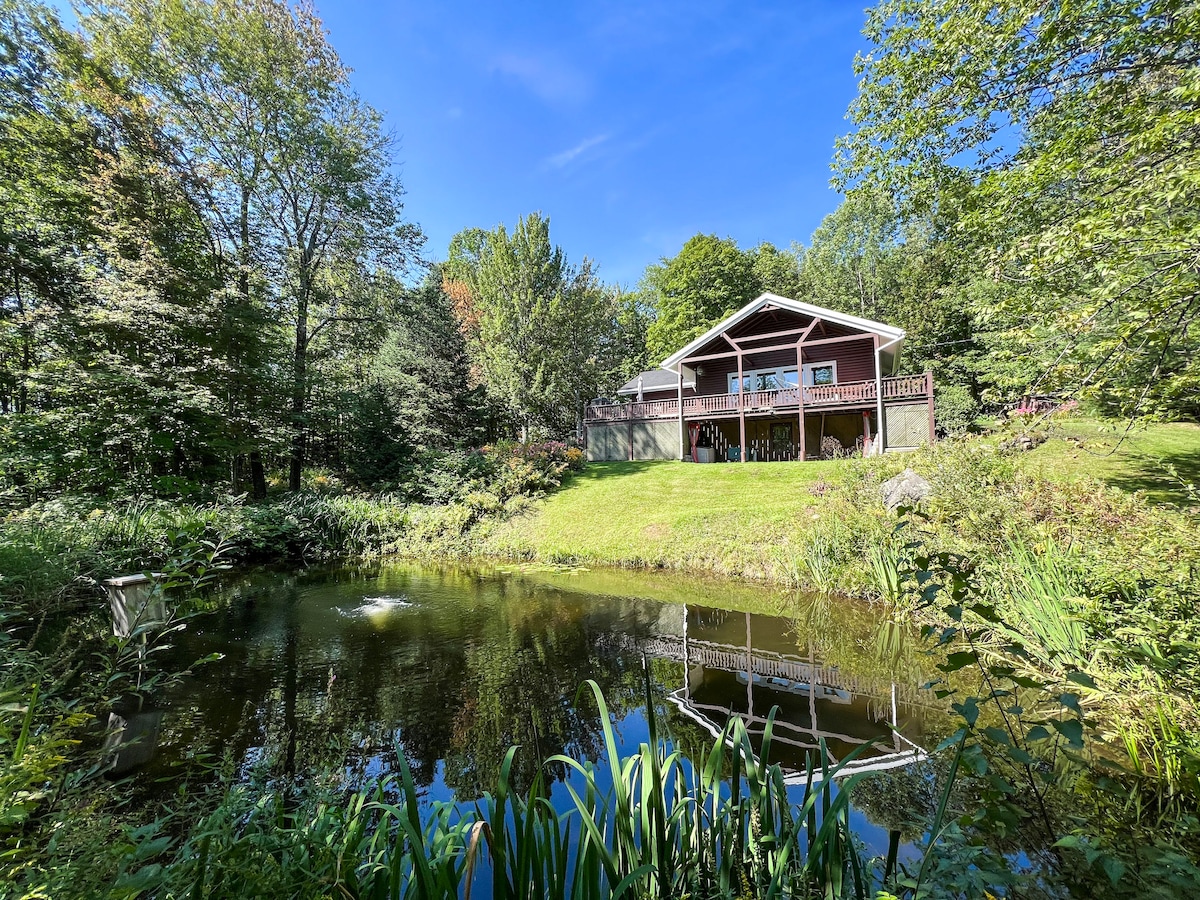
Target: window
817, 374
765, 380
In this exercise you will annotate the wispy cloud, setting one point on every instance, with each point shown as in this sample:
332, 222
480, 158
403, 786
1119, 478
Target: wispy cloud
550, 79
558, 160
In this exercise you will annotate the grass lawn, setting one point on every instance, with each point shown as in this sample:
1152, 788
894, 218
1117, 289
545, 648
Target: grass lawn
724, 518
752, 520
1138, 460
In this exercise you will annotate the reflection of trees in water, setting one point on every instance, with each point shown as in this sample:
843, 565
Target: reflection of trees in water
523, 677
478, 665
900, 800
455, 682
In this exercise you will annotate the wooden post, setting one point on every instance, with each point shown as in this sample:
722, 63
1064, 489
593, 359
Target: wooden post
929, 396
682, 431
800, 388
741, 392
629, 429
750, 670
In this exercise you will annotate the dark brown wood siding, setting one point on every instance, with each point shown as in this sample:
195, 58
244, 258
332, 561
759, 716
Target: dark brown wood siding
855, 359
855, 362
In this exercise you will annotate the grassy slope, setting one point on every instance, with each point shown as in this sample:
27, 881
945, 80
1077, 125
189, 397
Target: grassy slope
722, 518
741, 519
1136, 460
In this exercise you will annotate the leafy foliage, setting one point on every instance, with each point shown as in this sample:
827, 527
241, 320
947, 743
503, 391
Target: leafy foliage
707, 280
1059, 137
546, 337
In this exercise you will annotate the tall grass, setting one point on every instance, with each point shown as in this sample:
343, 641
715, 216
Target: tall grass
650, 824
885, 572
59, 551
820, 558
1040, 595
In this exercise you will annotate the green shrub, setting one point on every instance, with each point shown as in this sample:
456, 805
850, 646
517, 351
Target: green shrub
955, 408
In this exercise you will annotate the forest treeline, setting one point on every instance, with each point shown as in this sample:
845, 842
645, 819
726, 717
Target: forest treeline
209, 282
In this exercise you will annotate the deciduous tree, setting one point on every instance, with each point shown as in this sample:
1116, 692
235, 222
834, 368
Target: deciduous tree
708, 279
1068, 134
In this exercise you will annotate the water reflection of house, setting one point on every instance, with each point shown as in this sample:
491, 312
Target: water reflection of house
817, 703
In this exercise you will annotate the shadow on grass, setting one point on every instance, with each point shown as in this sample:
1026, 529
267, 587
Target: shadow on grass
1163, 477
596, 470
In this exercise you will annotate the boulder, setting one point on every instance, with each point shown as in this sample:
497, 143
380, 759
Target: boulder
1023, 442
906, 489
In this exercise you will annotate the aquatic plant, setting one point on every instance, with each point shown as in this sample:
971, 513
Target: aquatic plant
885, 571
650, 824
1041, 595
820, 558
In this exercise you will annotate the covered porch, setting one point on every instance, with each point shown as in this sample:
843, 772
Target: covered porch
792, 423
846, 395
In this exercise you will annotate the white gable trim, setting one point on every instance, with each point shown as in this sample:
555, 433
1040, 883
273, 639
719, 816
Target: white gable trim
889, 335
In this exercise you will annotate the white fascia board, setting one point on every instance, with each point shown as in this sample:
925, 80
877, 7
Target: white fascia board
894, 337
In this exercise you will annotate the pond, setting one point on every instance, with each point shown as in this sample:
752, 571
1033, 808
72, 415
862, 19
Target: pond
451, 666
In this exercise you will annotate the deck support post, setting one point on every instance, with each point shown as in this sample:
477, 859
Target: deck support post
800, 386
880, 425
682, 430
741, 392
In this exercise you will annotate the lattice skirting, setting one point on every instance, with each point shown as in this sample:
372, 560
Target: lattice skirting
907, 425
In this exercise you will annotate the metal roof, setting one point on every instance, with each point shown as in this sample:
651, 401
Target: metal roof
654, 380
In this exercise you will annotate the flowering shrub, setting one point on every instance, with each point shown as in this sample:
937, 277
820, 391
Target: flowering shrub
531, 468
501, 471
545, 455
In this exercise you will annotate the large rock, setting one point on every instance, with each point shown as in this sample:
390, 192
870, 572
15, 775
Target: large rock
906, 489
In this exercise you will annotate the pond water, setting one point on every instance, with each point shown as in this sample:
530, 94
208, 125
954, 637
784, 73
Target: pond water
451, 666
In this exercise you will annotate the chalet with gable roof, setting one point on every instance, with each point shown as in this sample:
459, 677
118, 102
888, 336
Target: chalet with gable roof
777, 380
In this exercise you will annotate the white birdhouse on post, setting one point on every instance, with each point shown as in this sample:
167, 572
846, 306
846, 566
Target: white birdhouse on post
135, 601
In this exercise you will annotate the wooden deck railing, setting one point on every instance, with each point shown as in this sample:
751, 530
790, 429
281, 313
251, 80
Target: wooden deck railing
821, 397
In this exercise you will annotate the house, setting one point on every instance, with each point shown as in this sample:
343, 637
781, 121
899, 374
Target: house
777, 380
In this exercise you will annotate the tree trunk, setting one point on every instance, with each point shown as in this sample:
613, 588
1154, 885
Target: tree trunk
237, 364
300, 378
22, 398
258, 477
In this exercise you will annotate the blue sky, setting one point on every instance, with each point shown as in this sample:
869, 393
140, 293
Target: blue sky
631, 125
